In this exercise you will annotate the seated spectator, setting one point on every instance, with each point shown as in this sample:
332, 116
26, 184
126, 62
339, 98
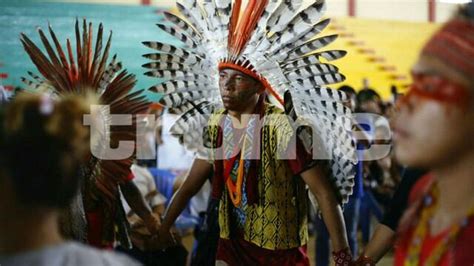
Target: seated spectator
369, 101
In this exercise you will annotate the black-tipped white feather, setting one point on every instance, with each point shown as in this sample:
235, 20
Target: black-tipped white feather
188, 106
328, 138
321, 93
113, 68
168, 58
311, 32
176, 75
189, 128
309, 47
176, 33
32, 84
284, 49
194, 14
172, 50
283, 15
310, 71
179, 98
300, 25
315, 81
332, 55
174, 66
260, 31
180, 85
183, 25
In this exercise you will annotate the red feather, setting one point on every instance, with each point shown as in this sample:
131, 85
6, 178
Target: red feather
82, 74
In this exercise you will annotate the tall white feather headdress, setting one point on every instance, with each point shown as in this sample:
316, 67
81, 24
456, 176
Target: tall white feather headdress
271, 40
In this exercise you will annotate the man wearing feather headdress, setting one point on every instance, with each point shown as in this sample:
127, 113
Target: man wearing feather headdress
96, 215
261, 162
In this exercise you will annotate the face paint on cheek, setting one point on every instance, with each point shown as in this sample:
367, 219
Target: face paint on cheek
435, 88
245, 94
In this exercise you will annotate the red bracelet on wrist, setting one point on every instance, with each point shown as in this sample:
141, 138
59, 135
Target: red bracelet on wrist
342, 257
365, 261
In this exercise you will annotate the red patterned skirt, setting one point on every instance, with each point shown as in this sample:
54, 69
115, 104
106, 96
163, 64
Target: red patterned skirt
240, 252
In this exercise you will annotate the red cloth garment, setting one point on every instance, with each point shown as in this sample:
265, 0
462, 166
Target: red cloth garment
302, 161
129, 177
95, 230
460, 253
429, 244
239, 252
99, 223
420, 188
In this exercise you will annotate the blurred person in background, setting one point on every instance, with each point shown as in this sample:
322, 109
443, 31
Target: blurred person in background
433, 130
96, 214
200, 214
145, 248
368, 102
4, 95
384, 236
351, 209
43, 144
384, 173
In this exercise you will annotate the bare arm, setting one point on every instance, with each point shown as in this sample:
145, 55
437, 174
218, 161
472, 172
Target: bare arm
196, 178
380, 243
137, 203
319, 184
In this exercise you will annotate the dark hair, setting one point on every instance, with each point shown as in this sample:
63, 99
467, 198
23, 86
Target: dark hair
347, 89
43, 146
367, 95
466, 11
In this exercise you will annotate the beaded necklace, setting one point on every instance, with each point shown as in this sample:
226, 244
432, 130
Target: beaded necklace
235, 188
422, 229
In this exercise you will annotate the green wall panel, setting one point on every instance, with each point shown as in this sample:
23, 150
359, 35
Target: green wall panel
130, 25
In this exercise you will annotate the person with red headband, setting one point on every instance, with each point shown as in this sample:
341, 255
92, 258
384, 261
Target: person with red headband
433, 130
223, 79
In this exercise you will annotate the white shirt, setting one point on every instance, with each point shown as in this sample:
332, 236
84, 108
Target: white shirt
146, 184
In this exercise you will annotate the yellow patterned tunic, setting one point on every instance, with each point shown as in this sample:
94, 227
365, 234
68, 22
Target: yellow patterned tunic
279, 218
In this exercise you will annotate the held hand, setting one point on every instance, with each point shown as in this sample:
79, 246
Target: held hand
364, 261
164, 239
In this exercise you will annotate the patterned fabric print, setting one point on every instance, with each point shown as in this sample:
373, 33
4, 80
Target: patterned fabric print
239, 213
278, 220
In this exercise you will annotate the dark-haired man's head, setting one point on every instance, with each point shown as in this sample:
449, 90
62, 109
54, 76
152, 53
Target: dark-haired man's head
369, 101
351, 102
238, 90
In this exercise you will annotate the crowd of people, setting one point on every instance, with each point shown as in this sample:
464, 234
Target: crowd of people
255, 190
